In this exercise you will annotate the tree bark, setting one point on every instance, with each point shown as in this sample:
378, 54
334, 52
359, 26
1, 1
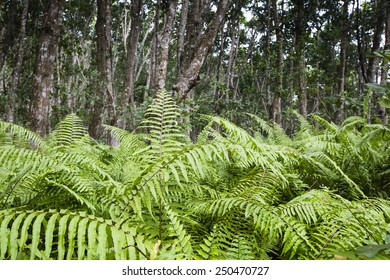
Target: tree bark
229, 73
193, 31
190, 76
10, 107
360, 30
277, 101
8, 33
48, 45
300, 56
267, 55
163, 45
217, 104
152, 71
373, 61
104, 100
316, 101
130, 68
382, 112
182, 31
340, 116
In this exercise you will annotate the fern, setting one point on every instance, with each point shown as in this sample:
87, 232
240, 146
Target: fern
66, 235
230, 195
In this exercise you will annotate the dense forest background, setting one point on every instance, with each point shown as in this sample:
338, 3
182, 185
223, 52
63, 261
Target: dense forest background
105, 60
194, 129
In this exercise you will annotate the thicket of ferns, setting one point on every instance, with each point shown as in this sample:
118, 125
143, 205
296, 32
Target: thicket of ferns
230, 195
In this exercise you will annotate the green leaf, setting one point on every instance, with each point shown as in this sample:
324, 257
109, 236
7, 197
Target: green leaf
102, 248
14, 248
5, 235
92, 241
51, 224
72, 229
81, 238
24, 233
62, 236
36, 235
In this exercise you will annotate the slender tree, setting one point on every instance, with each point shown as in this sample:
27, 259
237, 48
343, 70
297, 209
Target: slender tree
163, 42
277, 101
343, 61
130, 67
11, 100
105, 98
46, 55
299, 47
8, 32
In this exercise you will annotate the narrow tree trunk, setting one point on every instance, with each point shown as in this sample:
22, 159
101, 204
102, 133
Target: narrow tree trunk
382, 112
373, 61
182, 30
131, 57
104, 100
152, 71
267, 55
163, 45
10, 108
340, 116
234, 39
360, 30
8, 33
48, 44
217, 105
277, 101
302, 86
300, 56
316, 101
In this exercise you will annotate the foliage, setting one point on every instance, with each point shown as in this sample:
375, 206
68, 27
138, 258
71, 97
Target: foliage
228, 195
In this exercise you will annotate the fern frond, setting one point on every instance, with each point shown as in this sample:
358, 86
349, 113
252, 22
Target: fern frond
18, 134
184, 240
66, 235
67, 131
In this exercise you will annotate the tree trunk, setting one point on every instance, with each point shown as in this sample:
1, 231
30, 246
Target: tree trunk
360, 44
382, 112
182, 30
316, 101
340, 116
131, 57
235, 40
193, 32
163, 45
373, 61
190, 76
152, 71
104, 100
8, 33
10, 108
48, 45
267, 55
277, 101
300, 56
217, 103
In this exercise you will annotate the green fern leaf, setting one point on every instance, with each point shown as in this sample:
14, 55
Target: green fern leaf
72, 228
36, 235
81, 231
5, 235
